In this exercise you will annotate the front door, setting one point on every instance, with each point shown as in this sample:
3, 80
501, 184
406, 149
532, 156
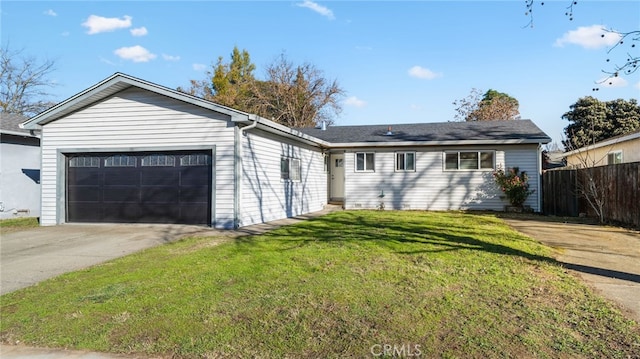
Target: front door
337, 177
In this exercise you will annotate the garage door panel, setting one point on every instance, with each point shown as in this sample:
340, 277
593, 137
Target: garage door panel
86, 212
196, 175
192, 214
128, 194
121, 212
194, 194
160, 194
85, 194
160, 176
121, 176
145, 187
85, 176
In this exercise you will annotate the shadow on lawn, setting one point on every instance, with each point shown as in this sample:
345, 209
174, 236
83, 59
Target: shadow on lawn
403, 236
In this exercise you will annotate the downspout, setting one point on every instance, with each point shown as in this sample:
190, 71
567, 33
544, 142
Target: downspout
237, 183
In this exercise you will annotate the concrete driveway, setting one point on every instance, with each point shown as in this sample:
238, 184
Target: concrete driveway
606, 258
30, 256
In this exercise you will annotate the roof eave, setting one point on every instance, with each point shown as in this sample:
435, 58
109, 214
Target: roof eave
441, 143
608, 142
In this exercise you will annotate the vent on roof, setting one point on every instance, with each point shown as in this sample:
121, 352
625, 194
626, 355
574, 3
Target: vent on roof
389, 132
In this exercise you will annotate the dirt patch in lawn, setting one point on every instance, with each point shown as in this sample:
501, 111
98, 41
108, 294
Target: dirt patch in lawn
606, 258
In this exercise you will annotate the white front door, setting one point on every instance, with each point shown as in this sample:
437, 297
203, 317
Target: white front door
337, 176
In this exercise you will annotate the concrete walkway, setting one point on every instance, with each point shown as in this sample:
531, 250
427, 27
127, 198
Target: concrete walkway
30, 256
606, 258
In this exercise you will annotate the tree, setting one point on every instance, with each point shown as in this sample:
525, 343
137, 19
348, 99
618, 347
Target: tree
24, 82
292, 95
628, 39
297, 96
493, 105
228, 84
593, 120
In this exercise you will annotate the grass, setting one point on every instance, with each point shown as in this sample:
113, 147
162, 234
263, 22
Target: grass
349, 284
17, 224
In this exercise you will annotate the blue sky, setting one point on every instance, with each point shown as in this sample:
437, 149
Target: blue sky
399, 62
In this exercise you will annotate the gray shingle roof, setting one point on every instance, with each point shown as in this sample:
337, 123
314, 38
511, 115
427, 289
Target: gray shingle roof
479, 131
9, 123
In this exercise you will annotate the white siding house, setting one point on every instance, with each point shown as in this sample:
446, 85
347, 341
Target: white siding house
127, 150
19, 169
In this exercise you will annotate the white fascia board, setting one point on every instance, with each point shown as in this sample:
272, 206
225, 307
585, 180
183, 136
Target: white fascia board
435, 143
114, 84
605, 143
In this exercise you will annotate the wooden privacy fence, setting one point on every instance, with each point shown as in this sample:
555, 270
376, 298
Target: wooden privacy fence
620, 186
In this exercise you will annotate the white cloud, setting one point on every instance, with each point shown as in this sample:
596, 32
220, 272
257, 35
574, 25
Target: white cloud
589, 37
199, 67
50, 12
423, 73
170, 57
613, 82
355, 102
135, 53
322, 10
97, 24
139, 31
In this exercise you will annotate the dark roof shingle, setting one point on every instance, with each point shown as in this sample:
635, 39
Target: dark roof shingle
480, 131
10, 122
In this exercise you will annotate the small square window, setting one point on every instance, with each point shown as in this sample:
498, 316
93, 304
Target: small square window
365, 162
405, 161
614, 158
290, 169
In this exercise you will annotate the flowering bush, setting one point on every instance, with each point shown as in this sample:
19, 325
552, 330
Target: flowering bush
514, 184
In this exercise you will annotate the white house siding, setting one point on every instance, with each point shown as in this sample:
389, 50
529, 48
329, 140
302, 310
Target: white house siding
430, 187
264, 196
19, 180
527, 159
135, 120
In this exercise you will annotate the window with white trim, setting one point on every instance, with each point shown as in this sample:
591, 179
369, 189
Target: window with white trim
290, 169
84, 161
120, 161
405, 161
469, 160
613, 158
158, 160
365, 161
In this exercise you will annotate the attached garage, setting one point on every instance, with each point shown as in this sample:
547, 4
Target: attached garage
139, 187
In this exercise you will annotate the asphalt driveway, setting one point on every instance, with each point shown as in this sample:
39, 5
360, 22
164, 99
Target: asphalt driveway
30, 256
606, 258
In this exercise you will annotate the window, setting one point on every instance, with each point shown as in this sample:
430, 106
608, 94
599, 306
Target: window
120, 161
196, 159
405, 161
365, 162
84, 161
158, 160
614, 158
469, 160
290, 169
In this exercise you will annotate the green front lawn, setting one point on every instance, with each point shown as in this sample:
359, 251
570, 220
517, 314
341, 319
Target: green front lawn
349, 284
18, 224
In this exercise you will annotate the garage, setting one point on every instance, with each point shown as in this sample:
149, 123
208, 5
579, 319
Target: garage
139, 187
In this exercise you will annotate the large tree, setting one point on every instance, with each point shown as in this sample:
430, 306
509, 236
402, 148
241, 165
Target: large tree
493, 105
293, 95
24, 81
297, 95
593, 120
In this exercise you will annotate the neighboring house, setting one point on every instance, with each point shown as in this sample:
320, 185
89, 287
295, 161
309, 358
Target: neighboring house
619, 149
19, 169
127, 150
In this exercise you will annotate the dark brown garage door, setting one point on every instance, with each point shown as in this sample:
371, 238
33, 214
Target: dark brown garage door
140, 187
